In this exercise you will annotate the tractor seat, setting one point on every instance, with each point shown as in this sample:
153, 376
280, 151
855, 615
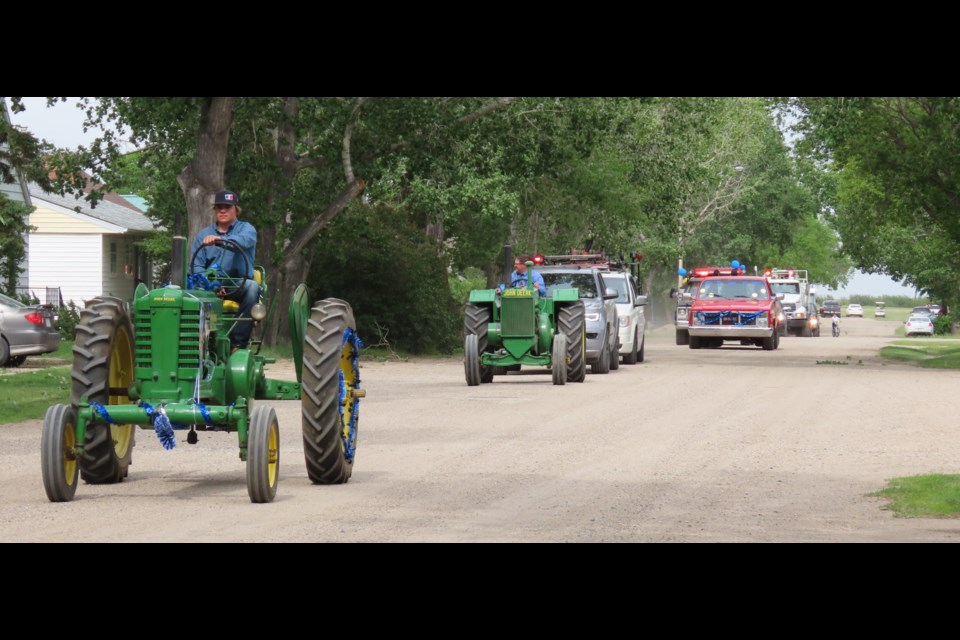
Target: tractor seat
231, 305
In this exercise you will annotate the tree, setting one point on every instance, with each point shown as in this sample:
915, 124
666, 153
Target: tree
897, 168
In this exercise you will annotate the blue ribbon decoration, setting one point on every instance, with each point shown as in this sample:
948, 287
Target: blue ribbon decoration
161, 424
102, 410
714, 317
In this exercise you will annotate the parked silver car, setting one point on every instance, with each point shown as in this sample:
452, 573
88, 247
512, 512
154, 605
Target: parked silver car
603, 344
25, 330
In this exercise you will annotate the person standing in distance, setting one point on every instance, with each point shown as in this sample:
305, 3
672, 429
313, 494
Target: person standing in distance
226, 206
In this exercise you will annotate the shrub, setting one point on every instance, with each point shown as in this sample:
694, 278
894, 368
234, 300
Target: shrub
942, 325
68, 321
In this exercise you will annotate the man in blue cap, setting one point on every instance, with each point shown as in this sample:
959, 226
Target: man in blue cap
226, 205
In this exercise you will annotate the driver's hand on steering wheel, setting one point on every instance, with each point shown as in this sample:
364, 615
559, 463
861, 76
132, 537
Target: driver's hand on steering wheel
211, 239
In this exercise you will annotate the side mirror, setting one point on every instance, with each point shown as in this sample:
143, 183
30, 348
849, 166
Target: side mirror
640, 301
687, 295
610, 294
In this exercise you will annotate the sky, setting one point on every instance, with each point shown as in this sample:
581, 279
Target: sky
62, 125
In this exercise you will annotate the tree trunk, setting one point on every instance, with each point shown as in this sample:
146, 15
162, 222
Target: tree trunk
203, 177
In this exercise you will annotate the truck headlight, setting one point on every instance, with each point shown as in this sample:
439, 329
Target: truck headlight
592, 317
624, 321
762, 320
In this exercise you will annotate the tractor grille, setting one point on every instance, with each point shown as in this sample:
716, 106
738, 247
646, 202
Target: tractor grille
152, 331
516, 317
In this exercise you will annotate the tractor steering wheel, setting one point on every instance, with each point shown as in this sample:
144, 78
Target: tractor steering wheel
217, 276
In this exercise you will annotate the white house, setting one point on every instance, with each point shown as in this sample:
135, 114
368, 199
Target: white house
86, 253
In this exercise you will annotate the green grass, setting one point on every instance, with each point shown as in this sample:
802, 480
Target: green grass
930, 496
27, 395
929, 353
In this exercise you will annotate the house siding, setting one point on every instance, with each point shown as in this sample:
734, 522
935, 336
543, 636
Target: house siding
47, 221
72, 262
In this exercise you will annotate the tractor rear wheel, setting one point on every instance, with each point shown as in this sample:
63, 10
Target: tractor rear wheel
57, 459
475, 320
471, 360
263, 455
570, 322
330, 406
103, 372
558, 364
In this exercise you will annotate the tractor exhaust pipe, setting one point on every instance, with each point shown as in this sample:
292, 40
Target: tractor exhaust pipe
178, 265
507, 264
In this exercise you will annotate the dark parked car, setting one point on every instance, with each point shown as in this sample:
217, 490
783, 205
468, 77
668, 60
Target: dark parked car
25, 330
830, 308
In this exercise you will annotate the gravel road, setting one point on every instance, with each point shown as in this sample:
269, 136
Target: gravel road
715, 445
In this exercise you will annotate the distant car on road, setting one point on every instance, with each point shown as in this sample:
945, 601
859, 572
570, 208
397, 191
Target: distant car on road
881, 310
918, 324
854, 309
830, 308
25, 330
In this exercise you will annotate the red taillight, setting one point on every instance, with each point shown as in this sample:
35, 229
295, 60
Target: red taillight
34, 318
537, 259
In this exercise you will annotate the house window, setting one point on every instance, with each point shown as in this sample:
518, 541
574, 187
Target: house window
113, 257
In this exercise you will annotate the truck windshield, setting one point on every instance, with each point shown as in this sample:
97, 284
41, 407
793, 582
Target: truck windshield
582, 281
732, 289
786, 287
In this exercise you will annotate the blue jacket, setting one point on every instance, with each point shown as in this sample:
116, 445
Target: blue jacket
231, 263
520, 280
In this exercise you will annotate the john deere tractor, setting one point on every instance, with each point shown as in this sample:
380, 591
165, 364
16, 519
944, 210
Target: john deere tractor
504, 330
164, 362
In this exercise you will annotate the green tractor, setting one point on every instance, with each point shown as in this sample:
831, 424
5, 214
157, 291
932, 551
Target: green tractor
164, 362
504, 330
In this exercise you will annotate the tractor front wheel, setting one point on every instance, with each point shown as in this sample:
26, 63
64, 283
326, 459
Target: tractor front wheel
57, 459
103, 372
475, 320
559, 359
330, 400
471, 360
263, 455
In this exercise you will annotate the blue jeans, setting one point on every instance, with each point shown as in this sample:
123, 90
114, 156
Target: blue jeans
245, 296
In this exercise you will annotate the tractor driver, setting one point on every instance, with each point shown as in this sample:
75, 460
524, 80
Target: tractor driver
519, 277
227, 227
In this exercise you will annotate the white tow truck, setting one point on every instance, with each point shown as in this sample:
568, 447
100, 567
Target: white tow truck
798, 299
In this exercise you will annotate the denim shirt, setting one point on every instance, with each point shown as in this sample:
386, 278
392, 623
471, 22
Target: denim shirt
231, 263
517, 279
